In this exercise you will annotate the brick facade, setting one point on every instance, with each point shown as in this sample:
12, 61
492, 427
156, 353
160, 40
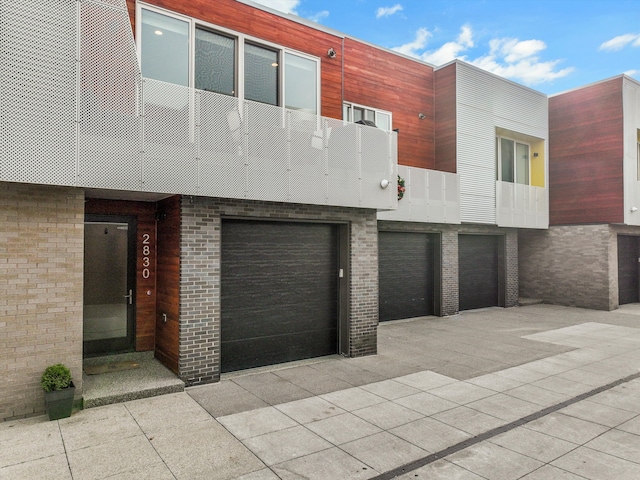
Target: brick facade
199, 357
573, 265
41, 284
449, 257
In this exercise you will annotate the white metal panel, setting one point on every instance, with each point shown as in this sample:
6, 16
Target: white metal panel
110, 124
521, 206
631, 125
431, 197
38, 42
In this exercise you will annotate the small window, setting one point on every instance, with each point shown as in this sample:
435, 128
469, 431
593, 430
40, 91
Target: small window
355, 113
512, 161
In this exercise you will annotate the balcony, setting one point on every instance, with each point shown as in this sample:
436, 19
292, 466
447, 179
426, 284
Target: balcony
521, 206
178, 140
431, 197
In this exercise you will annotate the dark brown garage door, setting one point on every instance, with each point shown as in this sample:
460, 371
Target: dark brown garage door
279, 292
627, 269
406, 275
478, 271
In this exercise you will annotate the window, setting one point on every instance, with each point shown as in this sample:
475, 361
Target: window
164, 48
512, 161
260, 74
226, 62
300, 83
355, 113
215, 62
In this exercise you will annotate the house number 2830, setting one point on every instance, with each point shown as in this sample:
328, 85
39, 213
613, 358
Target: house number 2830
146, 251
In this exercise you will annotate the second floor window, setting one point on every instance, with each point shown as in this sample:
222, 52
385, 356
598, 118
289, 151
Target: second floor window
352, 112
512, 161
221, 61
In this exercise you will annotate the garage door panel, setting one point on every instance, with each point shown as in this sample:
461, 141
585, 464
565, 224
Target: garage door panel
236, 355
406, 274
627, 269
478, 271
279, 292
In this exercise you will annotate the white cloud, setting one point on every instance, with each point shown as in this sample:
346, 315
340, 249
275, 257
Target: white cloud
318, 17
508, 57
519, 60
445, 53
412, 48
621, 41
388, 11
451, 50
285, 6
632, 73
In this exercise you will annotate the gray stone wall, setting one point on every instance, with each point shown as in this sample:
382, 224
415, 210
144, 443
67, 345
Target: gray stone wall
574, 265
199, 356
450, 294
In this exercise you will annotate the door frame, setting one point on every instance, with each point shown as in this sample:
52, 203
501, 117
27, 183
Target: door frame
120, 344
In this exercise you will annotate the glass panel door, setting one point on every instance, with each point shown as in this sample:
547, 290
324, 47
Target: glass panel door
108, 285
506, 157
522, 163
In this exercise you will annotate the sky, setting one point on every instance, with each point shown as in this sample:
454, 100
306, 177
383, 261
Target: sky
550, 46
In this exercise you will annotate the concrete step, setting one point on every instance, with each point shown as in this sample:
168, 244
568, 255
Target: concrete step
148, 379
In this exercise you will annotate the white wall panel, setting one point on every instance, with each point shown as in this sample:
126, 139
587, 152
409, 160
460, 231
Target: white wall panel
38, 91
486, 102
631, 108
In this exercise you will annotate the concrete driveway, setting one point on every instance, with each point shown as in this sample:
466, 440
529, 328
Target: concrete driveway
536, 392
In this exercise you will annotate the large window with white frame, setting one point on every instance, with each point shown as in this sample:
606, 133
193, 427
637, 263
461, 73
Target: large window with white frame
352, 112
185, 51
512, 161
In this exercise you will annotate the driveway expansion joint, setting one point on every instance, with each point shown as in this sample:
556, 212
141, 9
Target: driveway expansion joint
499, 430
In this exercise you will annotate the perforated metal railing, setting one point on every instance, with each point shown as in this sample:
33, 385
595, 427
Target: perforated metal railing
107, 127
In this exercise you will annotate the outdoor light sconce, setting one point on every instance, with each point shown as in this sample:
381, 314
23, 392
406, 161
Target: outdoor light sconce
634, 209
421, 116
331, 53
384, 183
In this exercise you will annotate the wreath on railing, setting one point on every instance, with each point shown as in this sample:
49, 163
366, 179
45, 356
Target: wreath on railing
401, 187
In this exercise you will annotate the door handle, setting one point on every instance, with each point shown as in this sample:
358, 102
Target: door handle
130, 297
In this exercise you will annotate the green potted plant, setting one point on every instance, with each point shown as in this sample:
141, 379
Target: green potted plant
58, 391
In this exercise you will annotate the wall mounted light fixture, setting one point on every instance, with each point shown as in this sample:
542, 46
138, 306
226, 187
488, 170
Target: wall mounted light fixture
384, 183
634, 209
331, 53
421, 116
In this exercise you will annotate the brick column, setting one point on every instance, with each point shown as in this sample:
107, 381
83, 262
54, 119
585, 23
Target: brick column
199, 344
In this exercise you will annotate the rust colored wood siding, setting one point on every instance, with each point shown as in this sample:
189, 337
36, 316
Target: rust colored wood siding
168, 280
263, 25
376, 78
586, 155
145, 281
445, 114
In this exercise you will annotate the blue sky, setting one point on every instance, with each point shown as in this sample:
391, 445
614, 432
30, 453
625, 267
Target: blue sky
550, 46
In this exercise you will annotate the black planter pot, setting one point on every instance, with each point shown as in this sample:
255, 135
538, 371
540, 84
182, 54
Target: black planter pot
60, 402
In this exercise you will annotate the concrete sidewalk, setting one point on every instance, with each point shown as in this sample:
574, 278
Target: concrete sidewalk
444, 398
